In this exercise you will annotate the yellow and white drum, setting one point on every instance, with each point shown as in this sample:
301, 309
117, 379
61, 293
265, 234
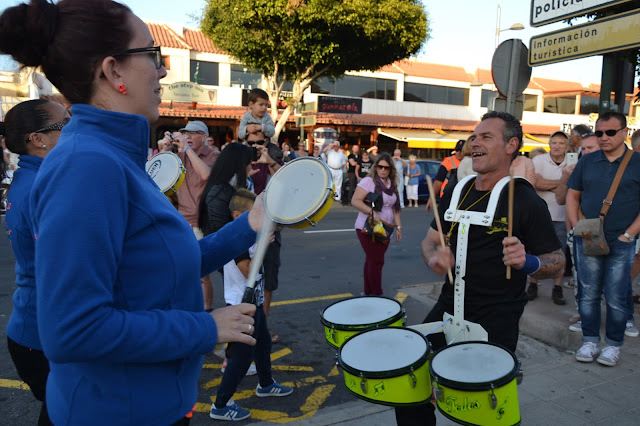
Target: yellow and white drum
300, 193
387, 366
475, 383
167, 171
347, 317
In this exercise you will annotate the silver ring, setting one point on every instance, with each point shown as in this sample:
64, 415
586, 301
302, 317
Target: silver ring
249, 327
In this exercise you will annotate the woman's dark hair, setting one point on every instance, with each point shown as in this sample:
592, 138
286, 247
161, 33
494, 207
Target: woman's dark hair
233, 161
68, 40
23, 119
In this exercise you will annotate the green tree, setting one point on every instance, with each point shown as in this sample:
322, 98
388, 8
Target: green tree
302, 40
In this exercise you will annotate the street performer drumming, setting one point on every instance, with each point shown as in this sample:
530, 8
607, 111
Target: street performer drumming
490, 299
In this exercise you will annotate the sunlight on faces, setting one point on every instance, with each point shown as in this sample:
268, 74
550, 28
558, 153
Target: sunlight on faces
259, 107
558, 147
489, 152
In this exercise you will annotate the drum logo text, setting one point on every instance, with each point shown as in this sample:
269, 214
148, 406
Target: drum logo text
466, 405
154, 168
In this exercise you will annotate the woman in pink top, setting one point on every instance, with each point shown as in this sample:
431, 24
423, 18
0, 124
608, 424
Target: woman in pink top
380, 181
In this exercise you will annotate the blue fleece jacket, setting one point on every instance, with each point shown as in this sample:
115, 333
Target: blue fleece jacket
120, 306
23, 326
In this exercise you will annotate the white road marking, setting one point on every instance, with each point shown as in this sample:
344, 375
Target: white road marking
329, 230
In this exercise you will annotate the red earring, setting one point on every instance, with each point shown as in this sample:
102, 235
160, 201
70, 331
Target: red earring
122, 89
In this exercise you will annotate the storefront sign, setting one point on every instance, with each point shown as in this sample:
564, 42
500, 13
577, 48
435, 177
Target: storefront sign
610, 34
339, 105
186, 91
548, 11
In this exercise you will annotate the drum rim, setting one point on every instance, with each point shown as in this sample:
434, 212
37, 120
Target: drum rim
388, 373
462, 386
362, 327
323, 201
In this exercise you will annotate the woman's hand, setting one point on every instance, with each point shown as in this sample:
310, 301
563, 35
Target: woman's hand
235, 323
398, 235
376, 216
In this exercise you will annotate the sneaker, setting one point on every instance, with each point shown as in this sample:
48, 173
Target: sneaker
609, 356
631, 330
532, 291
576, 326
587, 352
569, 284
252, 371
220, 350
556, 295
274, 389
232, 412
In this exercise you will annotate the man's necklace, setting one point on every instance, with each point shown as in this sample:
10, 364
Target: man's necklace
455, 222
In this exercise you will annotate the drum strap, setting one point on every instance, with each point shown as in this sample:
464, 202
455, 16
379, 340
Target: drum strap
465, 219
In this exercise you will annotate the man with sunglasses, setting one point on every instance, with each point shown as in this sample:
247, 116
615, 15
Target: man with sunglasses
198, 159
606, 274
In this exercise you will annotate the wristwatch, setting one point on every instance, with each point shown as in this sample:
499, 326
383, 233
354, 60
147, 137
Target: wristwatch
399, 227
629, 237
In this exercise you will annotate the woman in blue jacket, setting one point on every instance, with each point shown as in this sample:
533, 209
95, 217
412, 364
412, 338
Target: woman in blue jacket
32, 129
119, 301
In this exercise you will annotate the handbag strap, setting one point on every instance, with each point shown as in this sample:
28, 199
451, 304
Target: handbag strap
606, 204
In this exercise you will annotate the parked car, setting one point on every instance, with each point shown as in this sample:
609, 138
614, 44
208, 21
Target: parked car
427, 167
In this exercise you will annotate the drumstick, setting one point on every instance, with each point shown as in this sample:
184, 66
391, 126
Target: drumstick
510, 217
432, 196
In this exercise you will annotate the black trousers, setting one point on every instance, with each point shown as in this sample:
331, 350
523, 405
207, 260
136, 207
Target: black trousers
33, 369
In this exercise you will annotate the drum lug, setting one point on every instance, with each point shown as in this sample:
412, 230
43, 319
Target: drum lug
363, 385
494, 400
412, 381
519, 377
404, 318
439, 392
333, 336
312, 223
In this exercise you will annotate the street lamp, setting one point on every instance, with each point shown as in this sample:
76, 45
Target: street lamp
514, 27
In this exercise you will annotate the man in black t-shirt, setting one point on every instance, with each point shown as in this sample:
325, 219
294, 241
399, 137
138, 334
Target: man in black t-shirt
352, 164
534, 249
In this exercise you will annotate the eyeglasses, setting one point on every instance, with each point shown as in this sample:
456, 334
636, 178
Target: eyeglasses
188, 132
259, 142
154, 50
55, 126
609, 132
381, 167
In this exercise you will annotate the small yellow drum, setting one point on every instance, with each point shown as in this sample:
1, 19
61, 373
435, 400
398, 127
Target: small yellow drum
475, 383
345, 318
387, 366
300, 193
167, 171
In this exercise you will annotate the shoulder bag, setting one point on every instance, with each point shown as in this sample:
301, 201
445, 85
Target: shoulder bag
592, 230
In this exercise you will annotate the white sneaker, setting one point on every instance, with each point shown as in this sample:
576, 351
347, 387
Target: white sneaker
587, 352
631, 330
576, 326
252, 371
609, 356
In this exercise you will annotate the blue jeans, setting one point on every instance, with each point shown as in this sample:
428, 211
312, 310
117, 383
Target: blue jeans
611, 275
243, 354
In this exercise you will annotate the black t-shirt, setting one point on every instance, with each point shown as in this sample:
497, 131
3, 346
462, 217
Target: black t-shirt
365, 166
486, 285
350, 168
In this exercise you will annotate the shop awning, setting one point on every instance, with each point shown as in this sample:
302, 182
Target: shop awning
440, 139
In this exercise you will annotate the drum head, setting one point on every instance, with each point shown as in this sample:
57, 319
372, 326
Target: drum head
297, 190
366, 310
383, 350
164, 168
473, 363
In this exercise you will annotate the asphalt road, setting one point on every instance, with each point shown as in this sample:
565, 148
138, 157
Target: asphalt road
319, 266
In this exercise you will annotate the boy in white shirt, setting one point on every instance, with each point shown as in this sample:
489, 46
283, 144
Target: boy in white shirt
235, 279
256, 119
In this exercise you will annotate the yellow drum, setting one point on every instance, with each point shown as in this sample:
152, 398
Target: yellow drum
300, 193
387, 366
345, 318
475, 383
167, 171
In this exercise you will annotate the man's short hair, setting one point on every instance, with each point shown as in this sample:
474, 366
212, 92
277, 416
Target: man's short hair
613, 114
256, 94
581, 129
635, 140
242, 201
512, 127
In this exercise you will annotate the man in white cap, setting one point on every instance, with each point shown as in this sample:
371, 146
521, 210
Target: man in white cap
197, 158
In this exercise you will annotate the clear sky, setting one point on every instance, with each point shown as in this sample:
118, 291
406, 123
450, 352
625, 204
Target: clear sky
462, 32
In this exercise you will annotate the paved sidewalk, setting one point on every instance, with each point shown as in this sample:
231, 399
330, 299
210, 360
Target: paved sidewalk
556, 390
